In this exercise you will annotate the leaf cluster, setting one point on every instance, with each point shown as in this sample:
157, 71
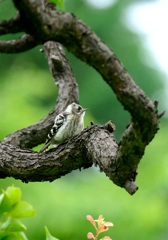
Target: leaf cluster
11, 210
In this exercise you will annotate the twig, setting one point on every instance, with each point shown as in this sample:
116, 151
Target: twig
26, 42
13, 25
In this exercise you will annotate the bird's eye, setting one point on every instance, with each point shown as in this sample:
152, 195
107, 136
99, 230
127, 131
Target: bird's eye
79, 108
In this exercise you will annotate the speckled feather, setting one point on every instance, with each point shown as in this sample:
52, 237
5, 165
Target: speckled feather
66, 125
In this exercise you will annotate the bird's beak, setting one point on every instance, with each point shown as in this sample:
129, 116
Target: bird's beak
85, 109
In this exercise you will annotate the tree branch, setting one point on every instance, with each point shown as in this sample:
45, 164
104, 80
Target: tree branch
85, 44
13, 25
94, 144
32, 166
26, 42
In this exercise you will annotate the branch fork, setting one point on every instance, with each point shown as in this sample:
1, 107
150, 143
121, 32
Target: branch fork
96, 143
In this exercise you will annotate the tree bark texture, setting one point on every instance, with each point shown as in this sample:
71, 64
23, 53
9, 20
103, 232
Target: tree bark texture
42, 24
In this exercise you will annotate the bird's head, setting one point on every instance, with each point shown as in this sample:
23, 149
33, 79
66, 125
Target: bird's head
76, 109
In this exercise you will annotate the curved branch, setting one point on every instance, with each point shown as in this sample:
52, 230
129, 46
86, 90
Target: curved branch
13, 25
32, 166
121, 161
86, 45
68, 92
25, 43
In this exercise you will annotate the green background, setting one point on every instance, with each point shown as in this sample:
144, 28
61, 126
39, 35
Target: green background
28, 93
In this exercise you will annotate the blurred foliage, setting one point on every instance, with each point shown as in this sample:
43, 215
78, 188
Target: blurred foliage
22, 94
12, 208
49, 236
27, 94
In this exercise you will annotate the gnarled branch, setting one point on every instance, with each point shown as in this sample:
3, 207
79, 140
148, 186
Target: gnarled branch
13, 25
94, 144
32, 166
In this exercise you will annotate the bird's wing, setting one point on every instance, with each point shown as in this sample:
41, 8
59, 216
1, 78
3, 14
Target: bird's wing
59, 121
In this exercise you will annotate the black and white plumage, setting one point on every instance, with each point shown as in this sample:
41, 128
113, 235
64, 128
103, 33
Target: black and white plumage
66, 125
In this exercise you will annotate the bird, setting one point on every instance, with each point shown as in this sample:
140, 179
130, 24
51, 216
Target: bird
66, 125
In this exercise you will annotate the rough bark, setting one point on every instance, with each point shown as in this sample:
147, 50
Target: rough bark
13, 25
95, 144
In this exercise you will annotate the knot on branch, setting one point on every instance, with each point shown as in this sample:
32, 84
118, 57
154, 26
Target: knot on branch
110, 126
57, 63
130, 187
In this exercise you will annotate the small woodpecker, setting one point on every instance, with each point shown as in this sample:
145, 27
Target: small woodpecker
66, 125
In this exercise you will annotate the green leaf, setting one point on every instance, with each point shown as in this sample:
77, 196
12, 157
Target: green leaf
12, 225
22, 236
5, 203
59, 3
3, 234
22, 210
49, 236
15, 236
14, 194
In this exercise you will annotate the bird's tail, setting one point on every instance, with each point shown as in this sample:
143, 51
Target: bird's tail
44, 148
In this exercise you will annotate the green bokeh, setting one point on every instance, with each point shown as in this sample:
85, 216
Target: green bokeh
28, 93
